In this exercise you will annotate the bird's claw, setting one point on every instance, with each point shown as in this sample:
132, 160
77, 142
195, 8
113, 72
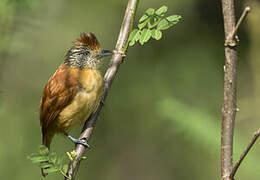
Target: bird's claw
82, 141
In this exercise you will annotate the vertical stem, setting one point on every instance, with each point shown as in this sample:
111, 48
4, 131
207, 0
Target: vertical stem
230, 85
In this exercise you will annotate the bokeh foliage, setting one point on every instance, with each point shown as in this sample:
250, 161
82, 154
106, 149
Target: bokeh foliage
8, 17
163, 114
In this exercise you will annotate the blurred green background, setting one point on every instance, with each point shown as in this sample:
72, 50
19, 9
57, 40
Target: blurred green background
162, 117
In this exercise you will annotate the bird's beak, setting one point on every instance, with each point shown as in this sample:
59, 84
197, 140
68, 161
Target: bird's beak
104, 53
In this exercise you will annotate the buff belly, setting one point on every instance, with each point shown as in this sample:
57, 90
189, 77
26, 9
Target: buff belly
78, 111
84, 103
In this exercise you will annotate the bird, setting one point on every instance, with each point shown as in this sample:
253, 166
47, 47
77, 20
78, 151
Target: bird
74, 91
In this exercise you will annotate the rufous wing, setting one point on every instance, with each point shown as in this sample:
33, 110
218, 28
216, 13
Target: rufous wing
58, 93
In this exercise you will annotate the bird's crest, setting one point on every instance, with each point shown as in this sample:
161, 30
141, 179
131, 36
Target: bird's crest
87, 39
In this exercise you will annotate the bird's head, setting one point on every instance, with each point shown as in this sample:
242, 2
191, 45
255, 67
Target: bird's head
86, 52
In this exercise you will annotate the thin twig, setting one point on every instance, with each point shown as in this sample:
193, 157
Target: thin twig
242, 17
230, 40
230, 88
115, 62
243, 155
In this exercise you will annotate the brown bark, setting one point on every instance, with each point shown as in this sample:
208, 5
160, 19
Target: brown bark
230, 86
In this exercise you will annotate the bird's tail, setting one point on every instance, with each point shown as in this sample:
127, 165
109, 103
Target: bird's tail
46, 141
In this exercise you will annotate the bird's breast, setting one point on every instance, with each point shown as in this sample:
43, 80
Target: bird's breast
85, 101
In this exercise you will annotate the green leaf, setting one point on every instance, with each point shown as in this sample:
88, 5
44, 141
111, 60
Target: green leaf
156, 34
33, 155
168, 22
143, 24
137, 35
145, 36
73, 154
51, 170
83, 158
131, 43
149, 11
68, 153
65, 167
161, 11
43, 150
143, 18
154, 20
134, 36
59, 160
38, 158
153, 33
174, 18
131, 37
151, 22
53, 158
45, 165
51, 162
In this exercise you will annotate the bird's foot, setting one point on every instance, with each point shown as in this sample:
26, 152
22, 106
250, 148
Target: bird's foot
81, 141
102, 102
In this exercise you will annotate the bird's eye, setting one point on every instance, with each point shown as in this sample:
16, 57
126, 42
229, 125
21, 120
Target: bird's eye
86, 53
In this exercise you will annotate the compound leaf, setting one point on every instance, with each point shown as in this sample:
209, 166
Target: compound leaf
168, 22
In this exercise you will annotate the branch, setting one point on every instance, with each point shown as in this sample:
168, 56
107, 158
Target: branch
117, 59
242, 17
230, 41
243, 155
230, 86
